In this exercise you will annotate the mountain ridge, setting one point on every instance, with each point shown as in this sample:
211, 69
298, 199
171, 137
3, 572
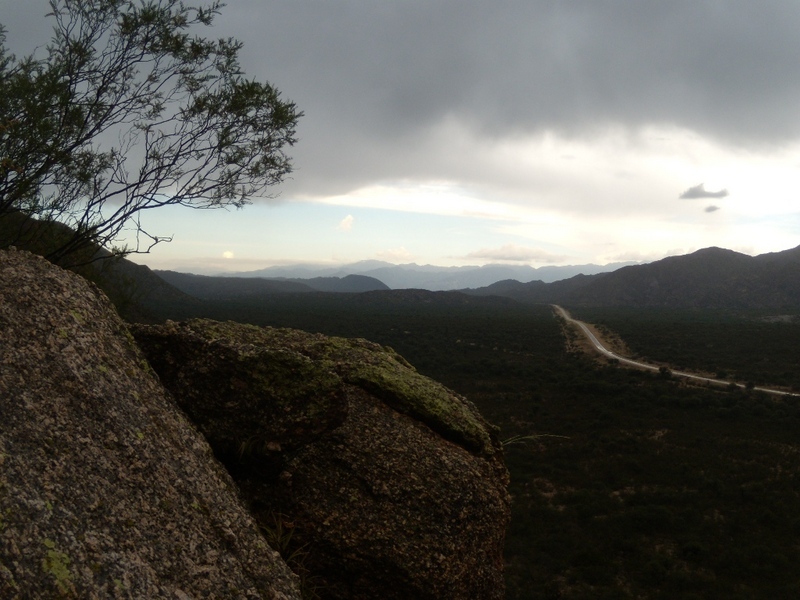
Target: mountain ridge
429, 277
708, 278
209, 287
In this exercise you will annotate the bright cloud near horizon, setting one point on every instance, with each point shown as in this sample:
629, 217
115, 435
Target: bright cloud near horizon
457, 132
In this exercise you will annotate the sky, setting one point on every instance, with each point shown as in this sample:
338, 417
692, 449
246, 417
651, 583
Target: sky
540, 132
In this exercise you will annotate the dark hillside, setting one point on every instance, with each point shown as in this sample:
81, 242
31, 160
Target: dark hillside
207, 288
342, 285
210, 287
136, 291
791, 256
538, 292
708, 278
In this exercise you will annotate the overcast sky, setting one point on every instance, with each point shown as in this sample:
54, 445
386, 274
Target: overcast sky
535, 132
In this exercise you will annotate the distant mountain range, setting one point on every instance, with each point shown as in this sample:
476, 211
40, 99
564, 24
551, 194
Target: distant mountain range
429, 277
709, 278
215, 288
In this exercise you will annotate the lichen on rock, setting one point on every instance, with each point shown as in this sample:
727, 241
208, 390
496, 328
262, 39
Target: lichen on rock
247, 397
381, 371
290, 366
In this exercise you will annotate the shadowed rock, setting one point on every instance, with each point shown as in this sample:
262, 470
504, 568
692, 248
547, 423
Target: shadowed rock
392, 485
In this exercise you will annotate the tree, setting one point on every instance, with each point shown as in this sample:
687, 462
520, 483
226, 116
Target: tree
126, 110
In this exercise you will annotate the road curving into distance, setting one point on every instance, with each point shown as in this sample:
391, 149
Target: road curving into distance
635, 363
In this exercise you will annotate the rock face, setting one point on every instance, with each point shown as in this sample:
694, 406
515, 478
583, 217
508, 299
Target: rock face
392, 486
106, 490
376, 481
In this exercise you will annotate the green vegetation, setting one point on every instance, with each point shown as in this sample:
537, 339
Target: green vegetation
279, 533
190, 128
639, 486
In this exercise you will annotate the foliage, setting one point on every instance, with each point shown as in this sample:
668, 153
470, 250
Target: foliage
279, 531
128, 109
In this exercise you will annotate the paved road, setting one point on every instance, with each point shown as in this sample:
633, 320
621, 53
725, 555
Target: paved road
635, 363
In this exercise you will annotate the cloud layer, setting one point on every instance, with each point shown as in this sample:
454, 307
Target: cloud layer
515, 253
384, 85
378, 79
346, 224
565, 126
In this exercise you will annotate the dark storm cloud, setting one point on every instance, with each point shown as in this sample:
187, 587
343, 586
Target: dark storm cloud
376, 78
530, 65
699, 191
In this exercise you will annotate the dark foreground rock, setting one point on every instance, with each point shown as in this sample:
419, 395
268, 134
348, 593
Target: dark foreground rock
106, 490
391, 485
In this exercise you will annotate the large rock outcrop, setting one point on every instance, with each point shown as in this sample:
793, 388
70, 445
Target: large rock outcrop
393, 486
106, 490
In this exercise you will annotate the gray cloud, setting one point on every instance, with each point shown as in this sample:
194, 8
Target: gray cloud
534, 63
375, 78
515, 253
699, 191
711, 208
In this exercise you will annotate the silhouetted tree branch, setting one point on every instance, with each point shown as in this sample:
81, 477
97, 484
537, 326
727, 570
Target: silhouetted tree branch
128, 110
